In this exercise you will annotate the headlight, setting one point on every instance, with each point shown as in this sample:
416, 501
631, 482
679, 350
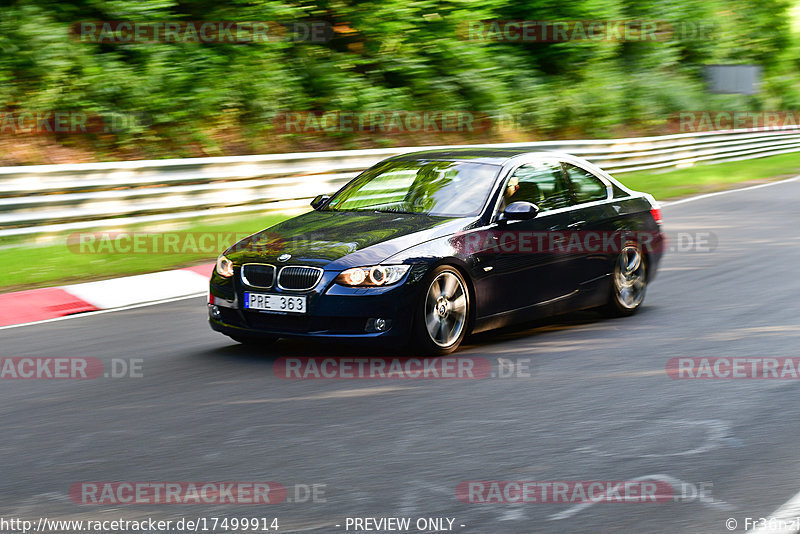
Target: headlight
377, 275
224, 267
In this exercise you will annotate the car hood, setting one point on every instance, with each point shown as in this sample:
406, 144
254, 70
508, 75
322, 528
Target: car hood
353, 238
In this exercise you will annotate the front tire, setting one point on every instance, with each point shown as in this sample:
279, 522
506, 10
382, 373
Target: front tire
628, 281
442, 315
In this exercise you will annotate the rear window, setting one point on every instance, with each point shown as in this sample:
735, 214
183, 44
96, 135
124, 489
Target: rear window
585, 186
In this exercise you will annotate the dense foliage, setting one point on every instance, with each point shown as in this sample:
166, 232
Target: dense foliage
214, 98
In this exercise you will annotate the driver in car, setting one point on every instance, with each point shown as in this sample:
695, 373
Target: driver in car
511, 189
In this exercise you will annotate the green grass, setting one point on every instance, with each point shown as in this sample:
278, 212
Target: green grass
28, 265
676, 183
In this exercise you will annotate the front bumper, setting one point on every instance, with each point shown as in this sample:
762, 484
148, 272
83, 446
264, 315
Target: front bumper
333, 311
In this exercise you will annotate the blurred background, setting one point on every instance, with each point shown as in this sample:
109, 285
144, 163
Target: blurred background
188, 99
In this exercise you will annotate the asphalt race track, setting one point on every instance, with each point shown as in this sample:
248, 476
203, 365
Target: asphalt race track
597, 405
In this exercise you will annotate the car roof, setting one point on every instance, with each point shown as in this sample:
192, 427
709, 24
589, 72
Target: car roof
491, 156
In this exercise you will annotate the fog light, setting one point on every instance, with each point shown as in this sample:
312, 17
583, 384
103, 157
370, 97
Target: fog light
378, 325
213, 311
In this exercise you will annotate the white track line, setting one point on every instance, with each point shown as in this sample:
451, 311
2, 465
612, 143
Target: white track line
98, 312
131, 290
88, 314
783, 520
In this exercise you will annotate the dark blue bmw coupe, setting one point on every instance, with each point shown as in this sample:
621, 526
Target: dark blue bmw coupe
426, 247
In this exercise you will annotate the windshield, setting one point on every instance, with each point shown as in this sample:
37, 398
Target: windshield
442, 188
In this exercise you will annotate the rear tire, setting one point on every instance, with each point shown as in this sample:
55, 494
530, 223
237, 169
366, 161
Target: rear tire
442, 314
628, 281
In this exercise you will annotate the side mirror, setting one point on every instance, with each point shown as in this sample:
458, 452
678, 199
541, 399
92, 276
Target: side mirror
319, 200
520, 211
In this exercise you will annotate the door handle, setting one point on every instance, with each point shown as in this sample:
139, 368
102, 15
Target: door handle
577, 224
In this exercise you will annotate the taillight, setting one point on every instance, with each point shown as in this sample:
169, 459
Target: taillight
656, 213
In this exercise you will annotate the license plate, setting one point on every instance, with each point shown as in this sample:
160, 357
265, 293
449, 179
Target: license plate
278, 303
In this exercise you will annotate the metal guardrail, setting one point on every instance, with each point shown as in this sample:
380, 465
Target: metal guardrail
54, 198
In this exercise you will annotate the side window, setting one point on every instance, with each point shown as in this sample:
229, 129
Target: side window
586, 187
541, 183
